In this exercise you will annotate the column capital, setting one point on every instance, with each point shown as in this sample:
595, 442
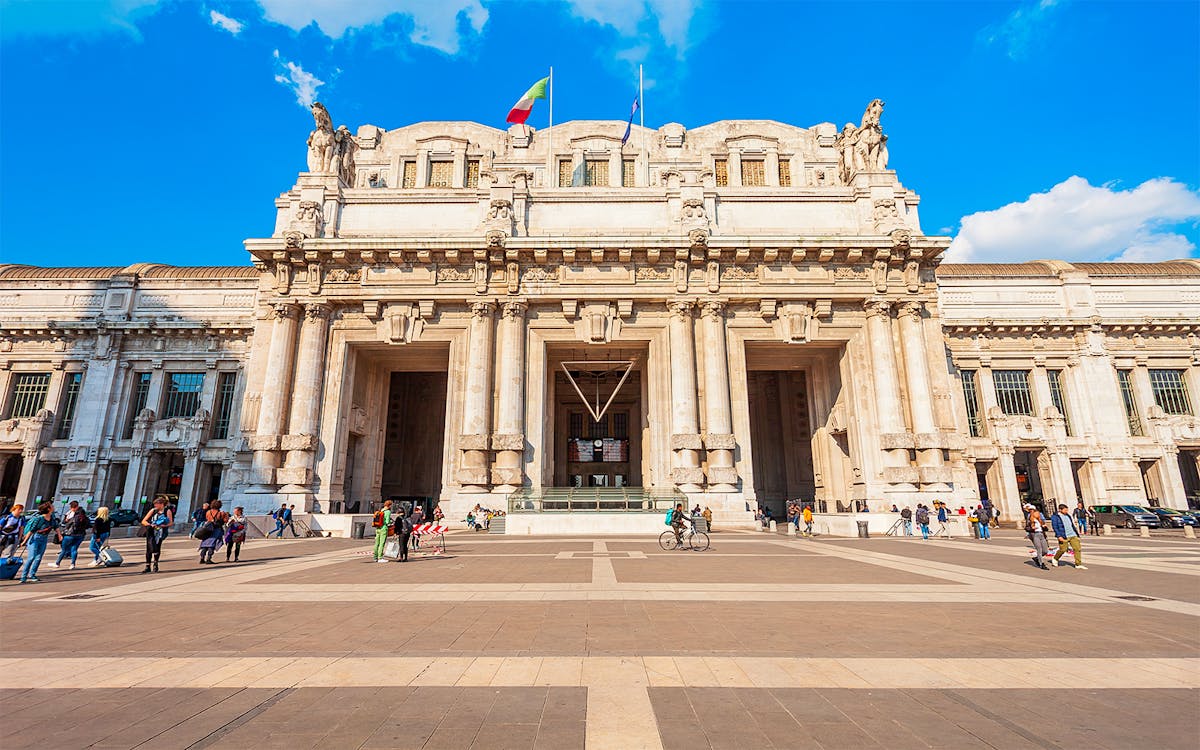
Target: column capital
713, 308
482, 309
877, 306
681, 308
316, 311
514, 308
285, 310
912, 309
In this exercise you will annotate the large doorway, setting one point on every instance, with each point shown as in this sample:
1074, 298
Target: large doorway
1030, 485
781, 431
414, 437
1189, 471
598, 397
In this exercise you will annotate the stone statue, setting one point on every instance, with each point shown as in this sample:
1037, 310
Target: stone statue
343, 154
321, 141
844, 143
863, 148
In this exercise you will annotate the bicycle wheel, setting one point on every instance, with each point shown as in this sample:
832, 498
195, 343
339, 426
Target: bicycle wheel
666, 540
699, 541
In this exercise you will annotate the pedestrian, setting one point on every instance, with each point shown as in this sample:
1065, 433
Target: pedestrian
808, 521
895, 509
217, 518
1067, 534
1035, 529
157, 524
707, 517
982, 518
10, 528
198, 517
278, 516
1081, 517
101, 528
289, 518
942, 518
418, 517
74, 528
438, 515
923, 520
382, 523
404, 527
906, 516
235, 534
37, 534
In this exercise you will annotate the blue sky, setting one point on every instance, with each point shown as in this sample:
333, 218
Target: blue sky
135, 130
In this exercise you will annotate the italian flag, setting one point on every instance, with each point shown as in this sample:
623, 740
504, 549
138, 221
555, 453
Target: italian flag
520, 111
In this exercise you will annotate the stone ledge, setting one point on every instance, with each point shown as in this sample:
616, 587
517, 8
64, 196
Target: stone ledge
475, 477
716, 441
298, 442
943, 439
895, 440
503, 442
686, 442
901, 475
508, 476
473, 442
936, 475
722, 475
263, 442
300, 475
683, 475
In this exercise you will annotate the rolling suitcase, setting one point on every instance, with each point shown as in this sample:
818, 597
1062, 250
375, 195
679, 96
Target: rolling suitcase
110, 558
9, 567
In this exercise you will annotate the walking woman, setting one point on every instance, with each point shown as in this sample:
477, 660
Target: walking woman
1035, 528
74, 529
37, 534
157, 524
101, 528
235, 534
217, 518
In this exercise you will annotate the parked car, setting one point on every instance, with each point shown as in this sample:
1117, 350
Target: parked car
120, 516
1129, 516
1174, 519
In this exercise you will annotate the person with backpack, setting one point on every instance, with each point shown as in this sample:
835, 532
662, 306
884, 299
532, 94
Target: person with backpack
101, 528
235, 534
1035, 529
1068, 535
156, 525
198, 517
10, 528
808, 520
382, 522
907, 517
942, 516
404, 529
923, 520
677, 521
74, 528
278, 516
983, 518
214, 523
37, 535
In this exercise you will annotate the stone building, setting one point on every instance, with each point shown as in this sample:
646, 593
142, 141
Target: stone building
745, 312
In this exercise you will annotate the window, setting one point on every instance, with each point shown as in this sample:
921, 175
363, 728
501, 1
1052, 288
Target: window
1170, 391
183, 394
576, 427
1058, 397
721, 172
69, 402
29, 394
620, 425
441, 173
410, 175
1125, 381
753, 173
598, 428
472, 173
564, 173
628, 168
224, 406
785, 172
1012, 391
971, 396
595, 172
141, 393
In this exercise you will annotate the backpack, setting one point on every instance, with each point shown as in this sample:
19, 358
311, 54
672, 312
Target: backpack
206, 530
11, 524
922, 516
670, 513
377, 522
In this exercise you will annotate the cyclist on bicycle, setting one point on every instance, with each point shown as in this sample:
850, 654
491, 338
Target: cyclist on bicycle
679, 521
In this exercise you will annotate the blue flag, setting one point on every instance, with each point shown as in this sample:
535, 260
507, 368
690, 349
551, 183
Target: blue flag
629, 127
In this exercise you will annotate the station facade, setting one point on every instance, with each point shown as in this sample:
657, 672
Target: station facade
737, 314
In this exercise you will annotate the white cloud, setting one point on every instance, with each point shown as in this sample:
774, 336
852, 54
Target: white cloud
1077, 221
232, 25
1023, 28
632, 19
41, 18
435, 22
302, 83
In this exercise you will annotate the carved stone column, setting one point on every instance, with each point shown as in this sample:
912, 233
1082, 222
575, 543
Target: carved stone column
892, 435
1009, 498
473, 472
685, 418
722, 476
301, 440
920, 389
509, 440
276, 388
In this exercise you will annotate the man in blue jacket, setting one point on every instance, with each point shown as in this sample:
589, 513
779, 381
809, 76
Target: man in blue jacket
1068, 536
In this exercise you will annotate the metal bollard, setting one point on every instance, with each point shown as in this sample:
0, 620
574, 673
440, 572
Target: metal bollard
1144, 531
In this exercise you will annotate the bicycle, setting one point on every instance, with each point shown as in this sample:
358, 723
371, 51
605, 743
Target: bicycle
697, 541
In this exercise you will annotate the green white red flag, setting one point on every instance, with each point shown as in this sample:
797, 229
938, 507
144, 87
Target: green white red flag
520, 111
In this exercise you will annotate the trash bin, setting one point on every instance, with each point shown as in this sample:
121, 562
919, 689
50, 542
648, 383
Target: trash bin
359, 530
862, 530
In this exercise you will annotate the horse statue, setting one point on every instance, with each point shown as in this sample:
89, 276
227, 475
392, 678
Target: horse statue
321, 141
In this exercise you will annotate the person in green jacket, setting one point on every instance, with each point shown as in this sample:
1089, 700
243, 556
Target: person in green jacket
381, 531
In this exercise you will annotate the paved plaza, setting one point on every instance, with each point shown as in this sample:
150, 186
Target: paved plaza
764, 641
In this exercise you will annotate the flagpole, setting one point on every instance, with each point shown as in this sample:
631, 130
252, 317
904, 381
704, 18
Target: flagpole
642, 115
551, 178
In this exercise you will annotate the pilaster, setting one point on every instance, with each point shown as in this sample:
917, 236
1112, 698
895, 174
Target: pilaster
686, 442
718, 439
474, 442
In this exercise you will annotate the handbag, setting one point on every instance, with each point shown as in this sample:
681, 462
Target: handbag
142, 531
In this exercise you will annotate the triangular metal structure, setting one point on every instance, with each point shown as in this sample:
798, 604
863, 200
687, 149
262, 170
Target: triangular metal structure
599, 368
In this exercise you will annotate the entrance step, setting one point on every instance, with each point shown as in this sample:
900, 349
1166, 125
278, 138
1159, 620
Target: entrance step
497, 525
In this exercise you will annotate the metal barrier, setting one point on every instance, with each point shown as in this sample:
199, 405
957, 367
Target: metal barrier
594, 500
